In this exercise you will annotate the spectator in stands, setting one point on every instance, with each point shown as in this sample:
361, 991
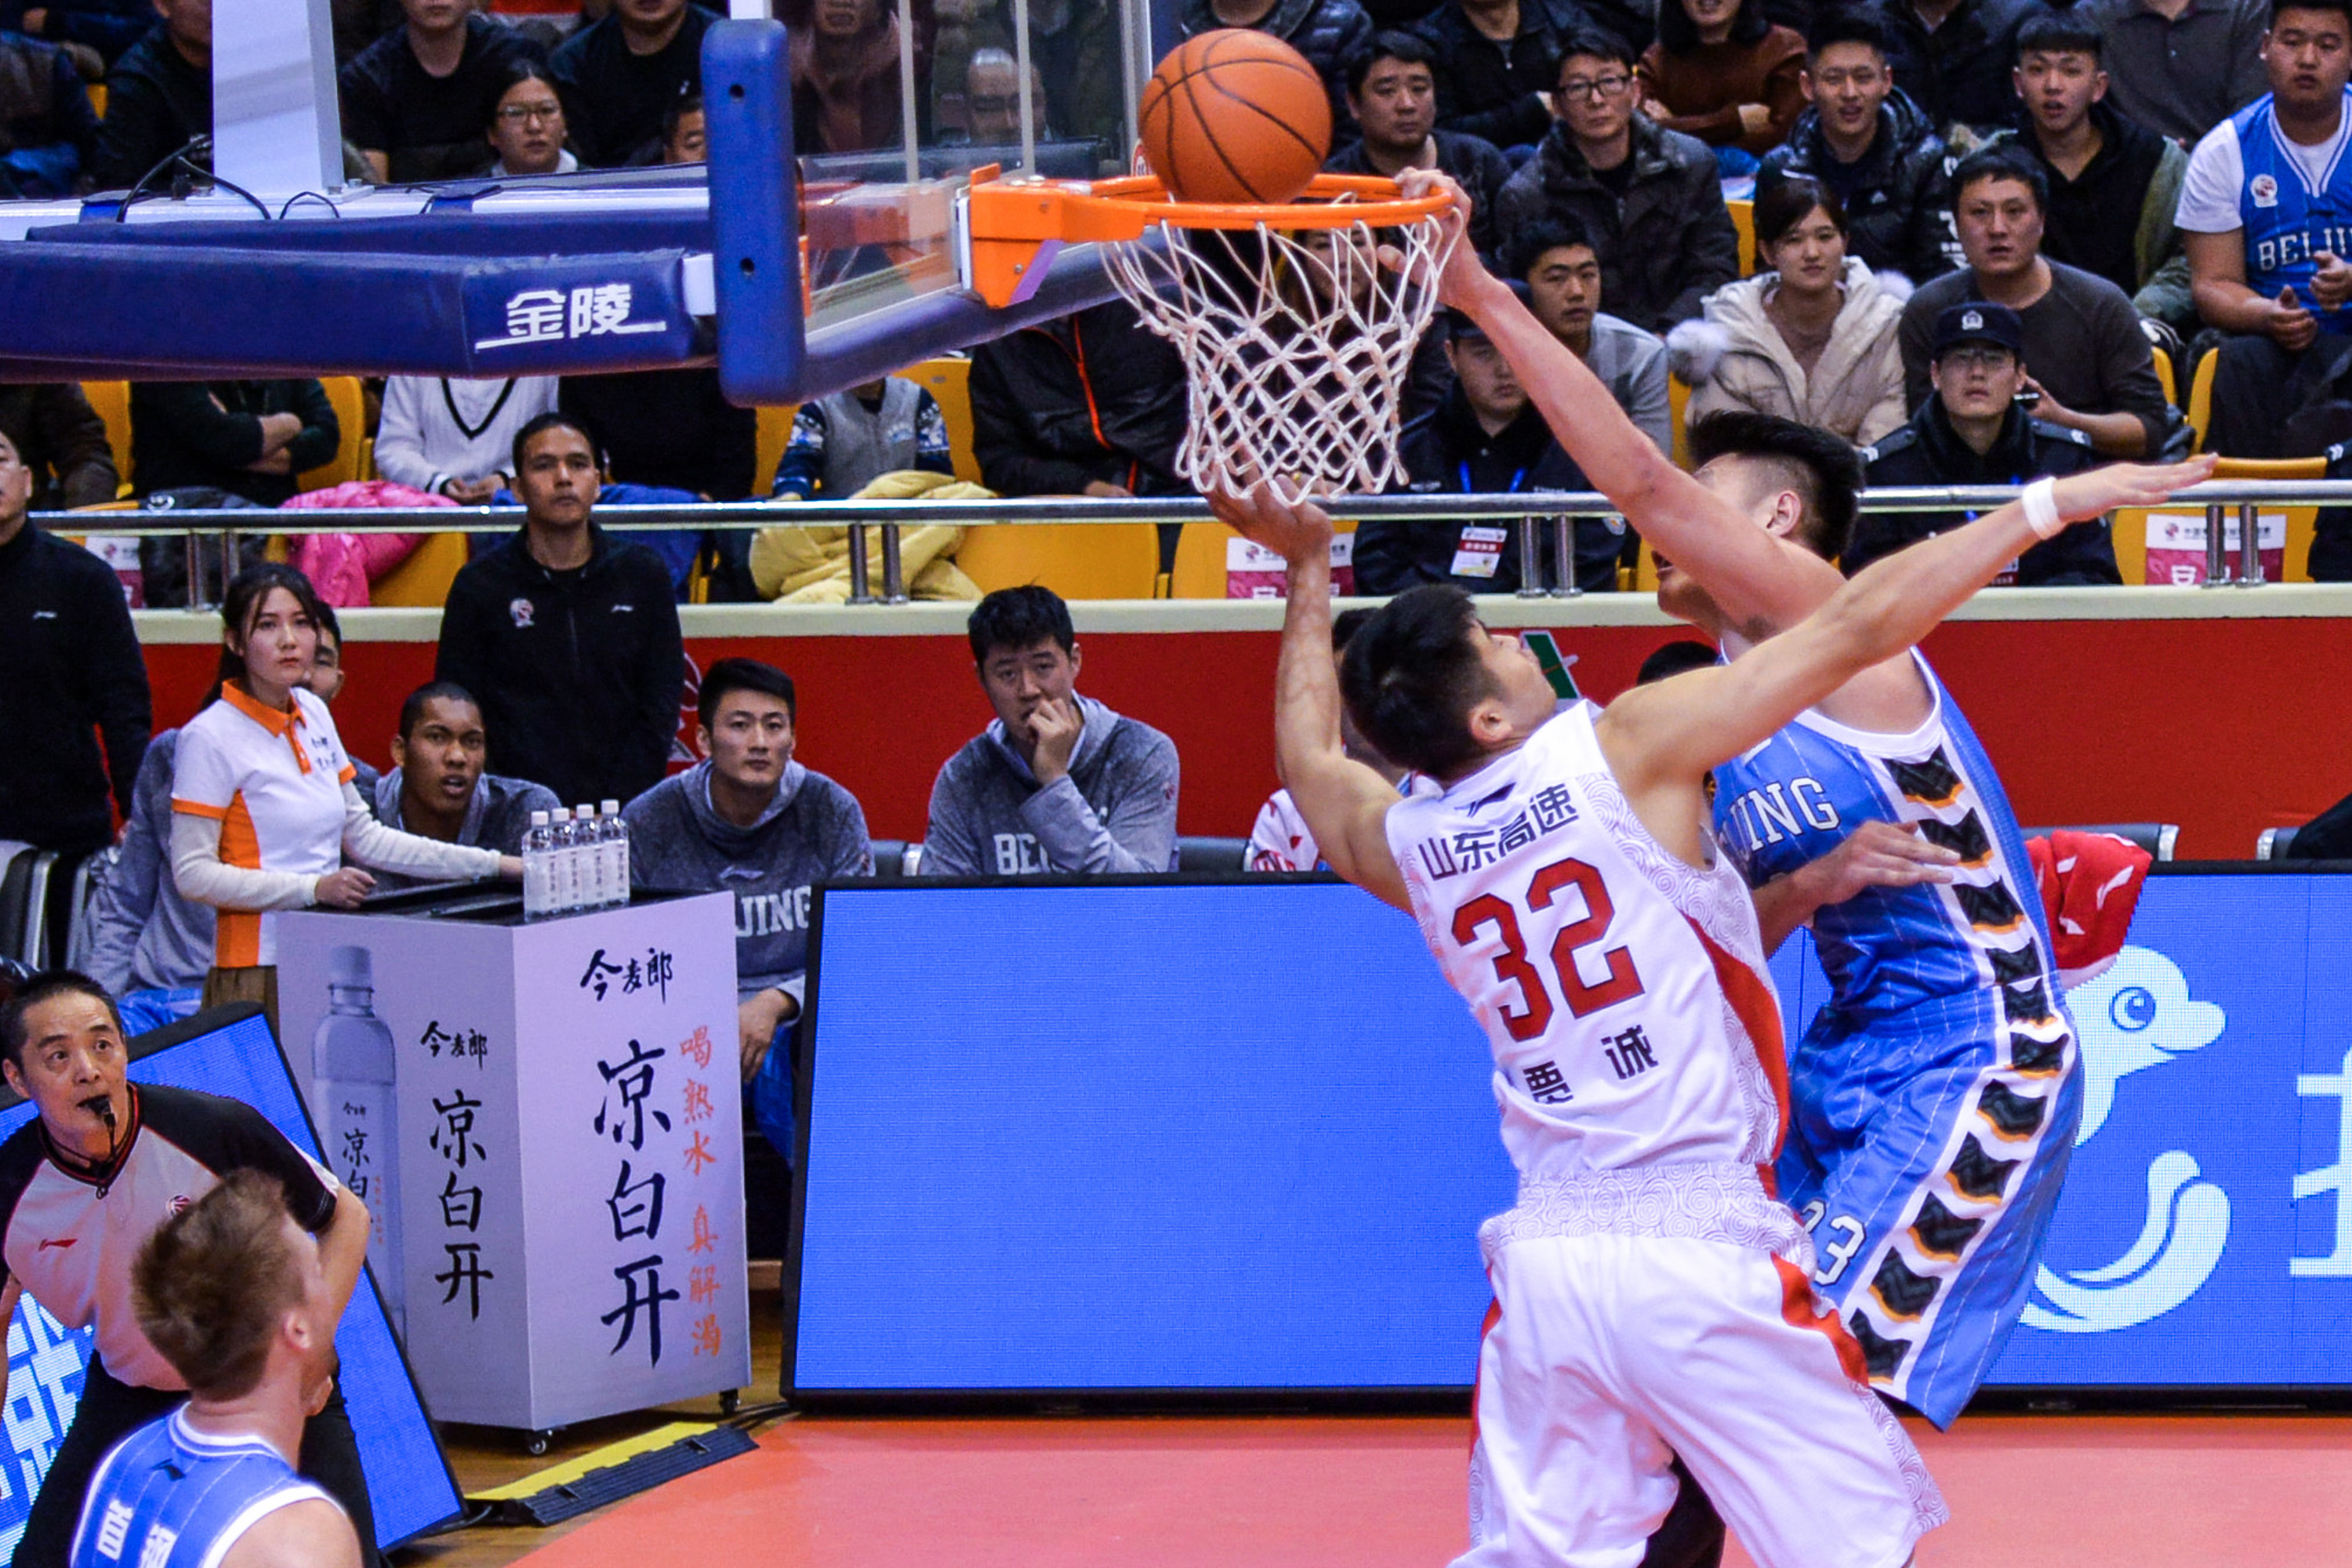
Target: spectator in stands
1392, 93
1074, 46
1487, 438
48, 129
750, 821
686, 136
2257, 207
1972, 431
671, 429
1057, 781
1280, 839
992, 99
1864, 139
60, 437
1332, 35
844, 441
2182, 67
415, 101
248, 439
2091, 369
845, 78
1561, 266
1498, 64
1811, 338
1722, 72
1651, 198
159, 95
1954, 57
2113, 184
568, 640
438, 787
456, 437
619, 75
527, 128
70, 672
264, 804
146, 945
1090, 403
104, 27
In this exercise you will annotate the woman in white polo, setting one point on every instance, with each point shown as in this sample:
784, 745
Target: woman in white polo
264, 813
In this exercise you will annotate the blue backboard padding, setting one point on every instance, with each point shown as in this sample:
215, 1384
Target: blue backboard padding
409, 1485
1240, 1137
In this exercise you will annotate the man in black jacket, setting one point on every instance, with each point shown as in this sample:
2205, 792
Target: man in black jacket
1487, 438
1498, 61
1091, 404
61, 438
70, 666
569, 640
1973, 432
250, 438
1651, 198
619, 75
1393, 92
1866, 140
1953, 56
415, 101
1331, 33
158, 96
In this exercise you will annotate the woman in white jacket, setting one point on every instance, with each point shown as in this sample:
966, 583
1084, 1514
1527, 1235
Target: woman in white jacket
1811, 340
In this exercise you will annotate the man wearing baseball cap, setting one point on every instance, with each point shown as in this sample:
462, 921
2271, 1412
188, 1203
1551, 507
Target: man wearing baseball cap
1486, 439
1975, 430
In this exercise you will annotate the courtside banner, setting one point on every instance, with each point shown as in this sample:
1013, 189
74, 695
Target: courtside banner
1144, 1135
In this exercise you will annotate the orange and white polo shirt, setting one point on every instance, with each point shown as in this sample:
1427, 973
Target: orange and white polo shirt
275, 784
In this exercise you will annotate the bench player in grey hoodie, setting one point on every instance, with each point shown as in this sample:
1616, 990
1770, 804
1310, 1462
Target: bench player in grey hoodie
752, 822
1057, 782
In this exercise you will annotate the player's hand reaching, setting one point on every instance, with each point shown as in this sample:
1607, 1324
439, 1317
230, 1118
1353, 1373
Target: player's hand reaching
2082, 496
1463, 275
1296, 533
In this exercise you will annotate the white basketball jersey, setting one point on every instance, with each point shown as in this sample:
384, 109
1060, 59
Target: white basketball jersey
1624, 990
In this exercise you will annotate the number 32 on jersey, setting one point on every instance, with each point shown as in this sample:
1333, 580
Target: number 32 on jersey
1563, 884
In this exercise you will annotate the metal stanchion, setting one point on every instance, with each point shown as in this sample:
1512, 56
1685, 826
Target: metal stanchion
1531, 584
860, 592
2249, 546
195, 564
1563, 550
2217, 557
894, 574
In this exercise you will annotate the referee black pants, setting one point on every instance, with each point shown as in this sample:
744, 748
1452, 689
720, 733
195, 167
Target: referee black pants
111, 1410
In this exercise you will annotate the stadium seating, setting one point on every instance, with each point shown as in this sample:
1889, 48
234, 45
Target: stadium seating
422, 580
889, 859
2200, 398
1743, 220
111, 400
1198, 856
353, 452
2274, 843
1077, 560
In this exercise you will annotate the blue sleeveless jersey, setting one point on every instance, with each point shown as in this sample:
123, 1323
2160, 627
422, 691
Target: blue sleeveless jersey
171, 1496
1965, 957
2287, 222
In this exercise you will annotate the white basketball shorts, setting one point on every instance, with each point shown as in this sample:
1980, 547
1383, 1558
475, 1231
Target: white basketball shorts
1609, 1354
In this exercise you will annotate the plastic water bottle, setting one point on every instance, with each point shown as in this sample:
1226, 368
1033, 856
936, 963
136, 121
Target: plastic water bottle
589, 857
616, 854
352, 1067
538, 870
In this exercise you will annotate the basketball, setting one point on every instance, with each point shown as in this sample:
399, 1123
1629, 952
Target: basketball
1235, 116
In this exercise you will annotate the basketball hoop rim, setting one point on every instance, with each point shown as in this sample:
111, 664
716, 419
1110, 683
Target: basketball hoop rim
1329, 201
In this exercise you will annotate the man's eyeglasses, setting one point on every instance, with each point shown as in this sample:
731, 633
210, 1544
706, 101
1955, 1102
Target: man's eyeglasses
1595, 86
1985, 358
516, 113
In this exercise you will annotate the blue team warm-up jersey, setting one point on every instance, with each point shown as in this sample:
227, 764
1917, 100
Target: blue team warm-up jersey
2287, 222
170, 1497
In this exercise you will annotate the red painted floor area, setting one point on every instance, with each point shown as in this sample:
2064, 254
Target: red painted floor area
2256, 1491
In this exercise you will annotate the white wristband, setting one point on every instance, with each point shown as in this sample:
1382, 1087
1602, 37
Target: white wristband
2041, 503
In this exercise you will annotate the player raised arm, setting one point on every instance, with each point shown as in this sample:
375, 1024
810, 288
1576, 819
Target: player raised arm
1759, 582
1668, 735
1345, 802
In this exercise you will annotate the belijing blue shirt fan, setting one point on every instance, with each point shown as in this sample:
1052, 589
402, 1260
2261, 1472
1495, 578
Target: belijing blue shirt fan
2288, 220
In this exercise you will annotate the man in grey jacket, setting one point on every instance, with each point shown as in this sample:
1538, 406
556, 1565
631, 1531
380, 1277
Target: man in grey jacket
752, 822
436, 787
1058, 783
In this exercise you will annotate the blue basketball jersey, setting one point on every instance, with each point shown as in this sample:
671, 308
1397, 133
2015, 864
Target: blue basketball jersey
2287, 221
1970, 954
171, 1496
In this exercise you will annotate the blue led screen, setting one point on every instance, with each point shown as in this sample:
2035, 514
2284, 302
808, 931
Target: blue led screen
1241, 1136
409, 1484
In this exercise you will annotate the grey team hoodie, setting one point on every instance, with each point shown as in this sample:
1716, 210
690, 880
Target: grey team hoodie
1115, 811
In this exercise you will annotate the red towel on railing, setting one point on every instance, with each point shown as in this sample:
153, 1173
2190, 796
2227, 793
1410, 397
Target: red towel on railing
342, 565
2090, 885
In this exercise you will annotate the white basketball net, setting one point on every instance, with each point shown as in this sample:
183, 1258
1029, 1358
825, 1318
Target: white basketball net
1295, 344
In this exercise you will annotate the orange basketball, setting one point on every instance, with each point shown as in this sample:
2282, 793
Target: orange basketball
1235, 116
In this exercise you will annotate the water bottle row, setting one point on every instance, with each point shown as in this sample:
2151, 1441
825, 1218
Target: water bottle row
575, 861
